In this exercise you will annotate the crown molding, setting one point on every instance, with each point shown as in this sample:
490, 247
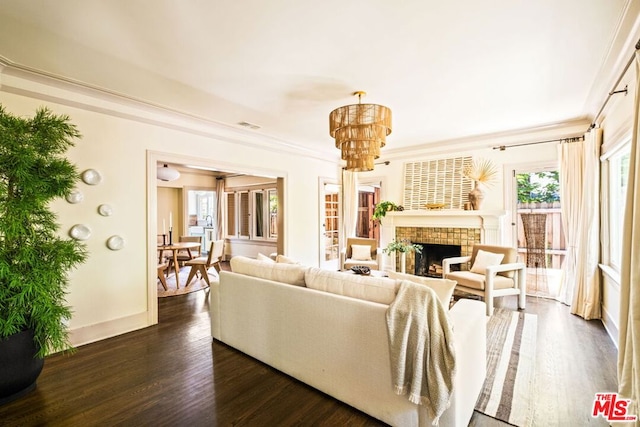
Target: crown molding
559, 130
621, 49
22, 80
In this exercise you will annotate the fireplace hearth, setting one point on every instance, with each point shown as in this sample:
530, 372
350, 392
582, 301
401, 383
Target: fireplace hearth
429, 262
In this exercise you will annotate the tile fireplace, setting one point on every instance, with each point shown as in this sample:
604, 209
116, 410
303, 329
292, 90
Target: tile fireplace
450, 228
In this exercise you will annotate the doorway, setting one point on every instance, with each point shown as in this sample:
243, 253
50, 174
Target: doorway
537, 226
194, 171
368, 198
201, 215
330, 220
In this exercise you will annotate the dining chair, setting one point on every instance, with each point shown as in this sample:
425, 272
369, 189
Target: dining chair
201, 265
162, 267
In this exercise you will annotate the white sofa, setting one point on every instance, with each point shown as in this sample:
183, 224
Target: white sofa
338, 344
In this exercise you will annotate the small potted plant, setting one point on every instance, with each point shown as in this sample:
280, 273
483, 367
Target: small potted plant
34, 258
383, 207
402, 247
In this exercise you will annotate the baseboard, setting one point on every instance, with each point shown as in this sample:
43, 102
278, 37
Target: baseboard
99, 331
610, 326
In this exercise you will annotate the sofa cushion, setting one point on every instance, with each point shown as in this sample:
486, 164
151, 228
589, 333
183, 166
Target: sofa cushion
471, 280
442, 287
375, 289
361, 252
292, 274
485, 259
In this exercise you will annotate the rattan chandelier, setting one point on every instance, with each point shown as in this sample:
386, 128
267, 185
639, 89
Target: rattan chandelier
360, 131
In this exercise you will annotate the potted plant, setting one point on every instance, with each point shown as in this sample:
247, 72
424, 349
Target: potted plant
402, 247
34, 259
383, 207
483, 172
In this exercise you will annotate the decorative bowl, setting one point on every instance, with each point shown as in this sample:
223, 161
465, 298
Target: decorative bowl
435, 205
361, 269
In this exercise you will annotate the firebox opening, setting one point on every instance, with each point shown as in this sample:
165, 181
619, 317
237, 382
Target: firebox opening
429, 262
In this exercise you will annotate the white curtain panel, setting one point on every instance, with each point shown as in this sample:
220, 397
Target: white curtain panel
579, 198
349, 204
629, 338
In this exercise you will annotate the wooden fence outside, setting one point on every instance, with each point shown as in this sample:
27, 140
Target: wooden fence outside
555, 249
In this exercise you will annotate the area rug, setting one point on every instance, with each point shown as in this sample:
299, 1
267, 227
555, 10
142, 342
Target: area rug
511, 351
196, 284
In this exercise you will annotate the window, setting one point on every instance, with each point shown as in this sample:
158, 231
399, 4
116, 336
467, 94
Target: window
273, 214
618, 175
252, 214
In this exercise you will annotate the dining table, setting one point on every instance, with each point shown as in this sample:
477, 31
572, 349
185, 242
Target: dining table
177, 247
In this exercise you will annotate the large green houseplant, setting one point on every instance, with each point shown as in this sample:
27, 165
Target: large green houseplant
34, 258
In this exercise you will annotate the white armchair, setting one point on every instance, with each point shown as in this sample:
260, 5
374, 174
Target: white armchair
361, 251
506, 277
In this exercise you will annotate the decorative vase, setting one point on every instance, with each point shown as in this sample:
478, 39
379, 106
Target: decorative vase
476, 196
19, 366
403, 262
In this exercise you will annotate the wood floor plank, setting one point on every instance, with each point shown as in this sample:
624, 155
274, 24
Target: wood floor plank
173, 374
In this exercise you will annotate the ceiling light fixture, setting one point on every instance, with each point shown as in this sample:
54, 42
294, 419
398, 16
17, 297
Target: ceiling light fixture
165, 173
360, 131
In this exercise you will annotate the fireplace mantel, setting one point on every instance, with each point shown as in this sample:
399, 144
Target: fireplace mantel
454, 218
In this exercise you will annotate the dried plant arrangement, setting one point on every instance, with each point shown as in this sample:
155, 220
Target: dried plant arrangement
481, 170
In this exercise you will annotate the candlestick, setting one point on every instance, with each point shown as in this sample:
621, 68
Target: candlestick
170, 236
170, 220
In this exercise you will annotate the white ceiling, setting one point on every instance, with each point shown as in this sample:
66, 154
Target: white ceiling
447, 69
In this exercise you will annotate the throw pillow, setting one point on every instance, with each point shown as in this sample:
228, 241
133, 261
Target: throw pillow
485, 259
262, 257
442, 287
361, 252
286, 260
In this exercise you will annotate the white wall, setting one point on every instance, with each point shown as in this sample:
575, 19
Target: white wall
115, 292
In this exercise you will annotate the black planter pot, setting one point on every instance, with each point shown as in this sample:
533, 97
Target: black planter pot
19, 368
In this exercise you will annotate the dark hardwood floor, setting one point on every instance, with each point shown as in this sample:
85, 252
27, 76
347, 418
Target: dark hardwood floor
173, 374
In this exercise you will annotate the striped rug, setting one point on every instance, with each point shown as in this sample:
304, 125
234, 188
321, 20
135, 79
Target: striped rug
511, 351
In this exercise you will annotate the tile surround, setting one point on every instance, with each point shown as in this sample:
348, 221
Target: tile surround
465, 237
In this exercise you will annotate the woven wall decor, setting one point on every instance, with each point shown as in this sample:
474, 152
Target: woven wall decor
436, 182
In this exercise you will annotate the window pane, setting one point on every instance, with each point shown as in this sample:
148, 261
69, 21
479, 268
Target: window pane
273, 214
619, 174
244, 214
259, 214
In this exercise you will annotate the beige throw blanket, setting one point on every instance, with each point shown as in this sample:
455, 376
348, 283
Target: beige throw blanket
421, 348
